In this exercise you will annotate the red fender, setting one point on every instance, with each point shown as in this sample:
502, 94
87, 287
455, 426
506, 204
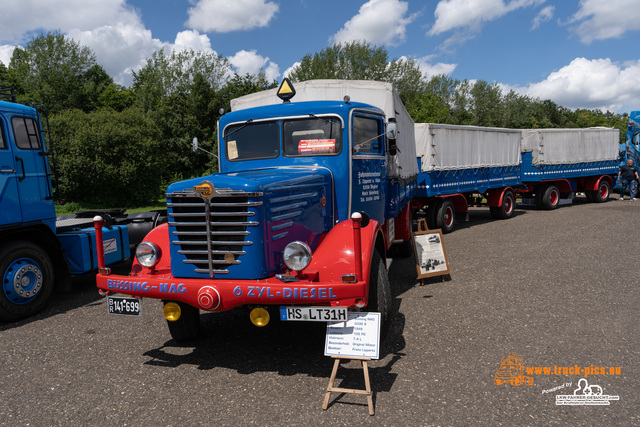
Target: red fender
159, 236
592, 183
495, 196
334, 257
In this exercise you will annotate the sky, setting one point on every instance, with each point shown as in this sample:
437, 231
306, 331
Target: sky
577, 53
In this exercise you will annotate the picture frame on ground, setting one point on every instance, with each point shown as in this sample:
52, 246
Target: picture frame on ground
430, 253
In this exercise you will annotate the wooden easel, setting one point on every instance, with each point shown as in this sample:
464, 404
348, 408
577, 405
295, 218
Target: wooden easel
366, 391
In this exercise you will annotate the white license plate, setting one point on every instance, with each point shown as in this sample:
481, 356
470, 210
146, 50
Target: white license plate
314, 314
124, 306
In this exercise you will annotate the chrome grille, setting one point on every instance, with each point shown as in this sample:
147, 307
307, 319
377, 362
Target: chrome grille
211, 232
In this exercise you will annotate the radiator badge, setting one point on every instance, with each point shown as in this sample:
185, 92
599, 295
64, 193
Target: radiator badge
204, 189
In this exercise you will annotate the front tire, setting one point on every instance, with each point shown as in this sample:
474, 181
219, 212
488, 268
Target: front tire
445, 216
504, 211
27, 278
187, 327
601, 195
380, 293
550, 197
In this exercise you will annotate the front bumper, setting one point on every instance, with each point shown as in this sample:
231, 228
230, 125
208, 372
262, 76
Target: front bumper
221, 295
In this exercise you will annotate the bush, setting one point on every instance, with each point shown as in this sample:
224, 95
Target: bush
107, 158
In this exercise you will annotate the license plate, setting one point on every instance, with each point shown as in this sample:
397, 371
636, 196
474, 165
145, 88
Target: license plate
124, 306
314, 314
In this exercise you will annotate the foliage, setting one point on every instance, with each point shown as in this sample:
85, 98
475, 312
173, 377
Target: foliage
57, 72
107, 158
118, 145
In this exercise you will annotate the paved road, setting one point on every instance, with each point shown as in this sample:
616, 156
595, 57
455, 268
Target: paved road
558, 288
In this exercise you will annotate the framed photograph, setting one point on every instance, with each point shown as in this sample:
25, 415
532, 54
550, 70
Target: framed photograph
430, 254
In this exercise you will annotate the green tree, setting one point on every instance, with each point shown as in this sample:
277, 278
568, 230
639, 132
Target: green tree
177, 91
107, 158
57, 72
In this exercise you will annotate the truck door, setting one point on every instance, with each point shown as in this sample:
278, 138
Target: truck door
31, 170
368, 166
10, 212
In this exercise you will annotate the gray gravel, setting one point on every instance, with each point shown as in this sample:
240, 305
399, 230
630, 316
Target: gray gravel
557, 287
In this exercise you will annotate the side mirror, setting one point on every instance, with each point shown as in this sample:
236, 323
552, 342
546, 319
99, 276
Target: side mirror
392, 130
194, 144
392, 134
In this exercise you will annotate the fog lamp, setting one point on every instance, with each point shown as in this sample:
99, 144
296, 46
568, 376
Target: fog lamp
360, 303
147, 254
297, 256
171, 311
259, 316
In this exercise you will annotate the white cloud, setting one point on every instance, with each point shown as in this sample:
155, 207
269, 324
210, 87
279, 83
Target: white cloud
429, 70
599, 20
466, 17
19, 17
6, 52
594, 84
224, 15
288, 71
545, 15
377, 22
249, 62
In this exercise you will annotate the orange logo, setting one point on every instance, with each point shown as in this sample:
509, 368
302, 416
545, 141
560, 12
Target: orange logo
511, 371
204, 189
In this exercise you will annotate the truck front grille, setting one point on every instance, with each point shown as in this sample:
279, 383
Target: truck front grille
211, 231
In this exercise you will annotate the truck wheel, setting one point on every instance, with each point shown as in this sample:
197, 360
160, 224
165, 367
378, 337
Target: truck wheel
27, 278
445, 216
550, 197
187, 327
380, 293
601, 195
505, 211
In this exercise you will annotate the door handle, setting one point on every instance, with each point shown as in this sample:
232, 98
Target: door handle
7, 171
24, 175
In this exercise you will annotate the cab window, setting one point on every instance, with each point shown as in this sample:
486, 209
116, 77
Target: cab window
25, 131
251, 141
367, 138
318, 136
2, 143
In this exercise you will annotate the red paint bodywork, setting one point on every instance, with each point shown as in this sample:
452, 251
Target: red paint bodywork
319, 284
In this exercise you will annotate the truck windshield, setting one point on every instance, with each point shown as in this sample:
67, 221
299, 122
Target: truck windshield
316, 136
247, 141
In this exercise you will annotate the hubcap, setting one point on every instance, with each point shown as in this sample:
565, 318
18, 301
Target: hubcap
508, 205
448, 217
22, 281
604, 191
553, 197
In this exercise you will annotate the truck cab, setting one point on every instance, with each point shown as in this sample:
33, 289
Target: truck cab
309, 197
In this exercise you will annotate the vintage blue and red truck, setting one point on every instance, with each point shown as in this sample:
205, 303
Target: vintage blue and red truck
39, 251
314, 192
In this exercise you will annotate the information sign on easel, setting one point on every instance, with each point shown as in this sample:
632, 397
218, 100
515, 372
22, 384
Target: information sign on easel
358, 338
430, 253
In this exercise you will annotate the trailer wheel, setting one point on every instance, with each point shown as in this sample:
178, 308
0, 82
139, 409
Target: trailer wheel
550, 197
504, 211
380, 293
187, 327
27, 278
601, 195
445, 216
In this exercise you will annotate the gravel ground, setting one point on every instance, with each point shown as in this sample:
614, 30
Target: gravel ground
559, 288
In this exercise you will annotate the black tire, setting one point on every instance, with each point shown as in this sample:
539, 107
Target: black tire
187, 327
27, 278
589, 195
504, 211
380, 293
603, 192
550, 197
445, 216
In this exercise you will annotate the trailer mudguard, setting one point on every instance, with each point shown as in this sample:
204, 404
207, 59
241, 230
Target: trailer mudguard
592, 183
495, 196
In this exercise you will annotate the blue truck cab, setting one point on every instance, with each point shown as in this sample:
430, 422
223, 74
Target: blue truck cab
36, 251
311, 193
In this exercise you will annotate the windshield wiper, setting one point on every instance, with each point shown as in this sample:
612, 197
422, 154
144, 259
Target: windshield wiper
244, 125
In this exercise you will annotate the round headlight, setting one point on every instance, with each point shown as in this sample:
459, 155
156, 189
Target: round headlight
297, 256
147, 254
